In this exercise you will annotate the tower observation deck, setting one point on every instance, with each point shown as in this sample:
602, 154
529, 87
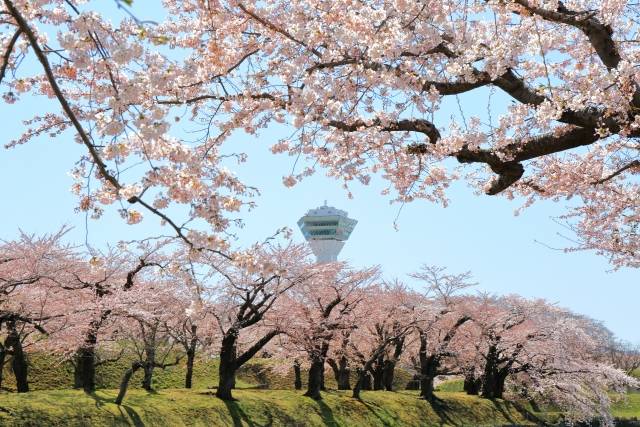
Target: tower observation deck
326, 229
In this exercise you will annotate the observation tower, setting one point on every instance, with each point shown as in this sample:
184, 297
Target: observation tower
326, 229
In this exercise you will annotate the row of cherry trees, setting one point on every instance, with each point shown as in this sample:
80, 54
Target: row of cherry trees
167, 304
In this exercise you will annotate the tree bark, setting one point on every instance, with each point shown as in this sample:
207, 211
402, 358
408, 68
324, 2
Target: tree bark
389, 367
428, 369
298, 375
315, 379
472, 384
227, 368
230, 361
188, 380
378, 373
341, 372
19, 363
494, 377
3, 355
388, 374
191, 355
84, 374
124, 384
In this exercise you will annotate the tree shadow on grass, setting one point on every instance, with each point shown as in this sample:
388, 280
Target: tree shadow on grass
100, 401
131, 414
502, 407
326, 414
237, 414
442, 409
370, 407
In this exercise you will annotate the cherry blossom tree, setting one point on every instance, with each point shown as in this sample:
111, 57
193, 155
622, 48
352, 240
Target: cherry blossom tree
385, 319
322, 311
143, 317
31, 303
102, 280
242, 294
440, 316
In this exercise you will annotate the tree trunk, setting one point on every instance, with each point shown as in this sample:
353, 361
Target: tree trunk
188, 380
124, 384
84, 374
3, 355
359, 382
19, 363
414, 384
315, 379
428, 370
494, 377
341, 372
149, 365
298, 375
366, 380
472, 384
388, 373
378, 373
148, 376
426, 385
227, 368
390, 364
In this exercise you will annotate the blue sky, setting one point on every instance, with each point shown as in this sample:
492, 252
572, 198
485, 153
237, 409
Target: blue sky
505, 253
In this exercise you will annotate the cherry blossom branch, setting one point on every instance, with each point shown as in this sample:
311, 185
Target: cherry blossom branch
7, 54
277, 29
598, 33
632, 165
42, 58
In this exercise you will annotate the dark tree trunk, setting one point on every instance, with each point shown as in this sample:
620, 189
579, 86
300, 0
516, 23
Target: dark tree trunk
298, 375
363, 381
230, 361
426, 384
390, 365
378, 373
3, 355
191, 355
472, 384
188, 380
314, 385
366, 380
388, 373
359, 382
84, 374
148, 366
494, 376
227, 368
428, 369
414, 384
148, 376
19, 363
341, 372
124, 384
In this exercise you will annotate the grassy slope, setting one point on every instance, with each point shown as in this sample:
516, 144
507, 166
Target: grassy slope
254, 407
48, 373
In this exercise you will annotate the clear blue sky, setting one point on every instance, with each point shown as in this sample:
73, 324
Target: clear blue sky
477, 233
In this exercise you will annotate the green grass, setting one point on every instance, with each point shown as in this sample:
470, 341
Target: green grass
451, 385
49, 373
53, 403
629, 407
254, 407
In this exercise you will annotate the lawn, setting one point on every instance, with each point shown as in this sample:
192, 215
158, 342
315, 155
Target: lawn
175, 407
